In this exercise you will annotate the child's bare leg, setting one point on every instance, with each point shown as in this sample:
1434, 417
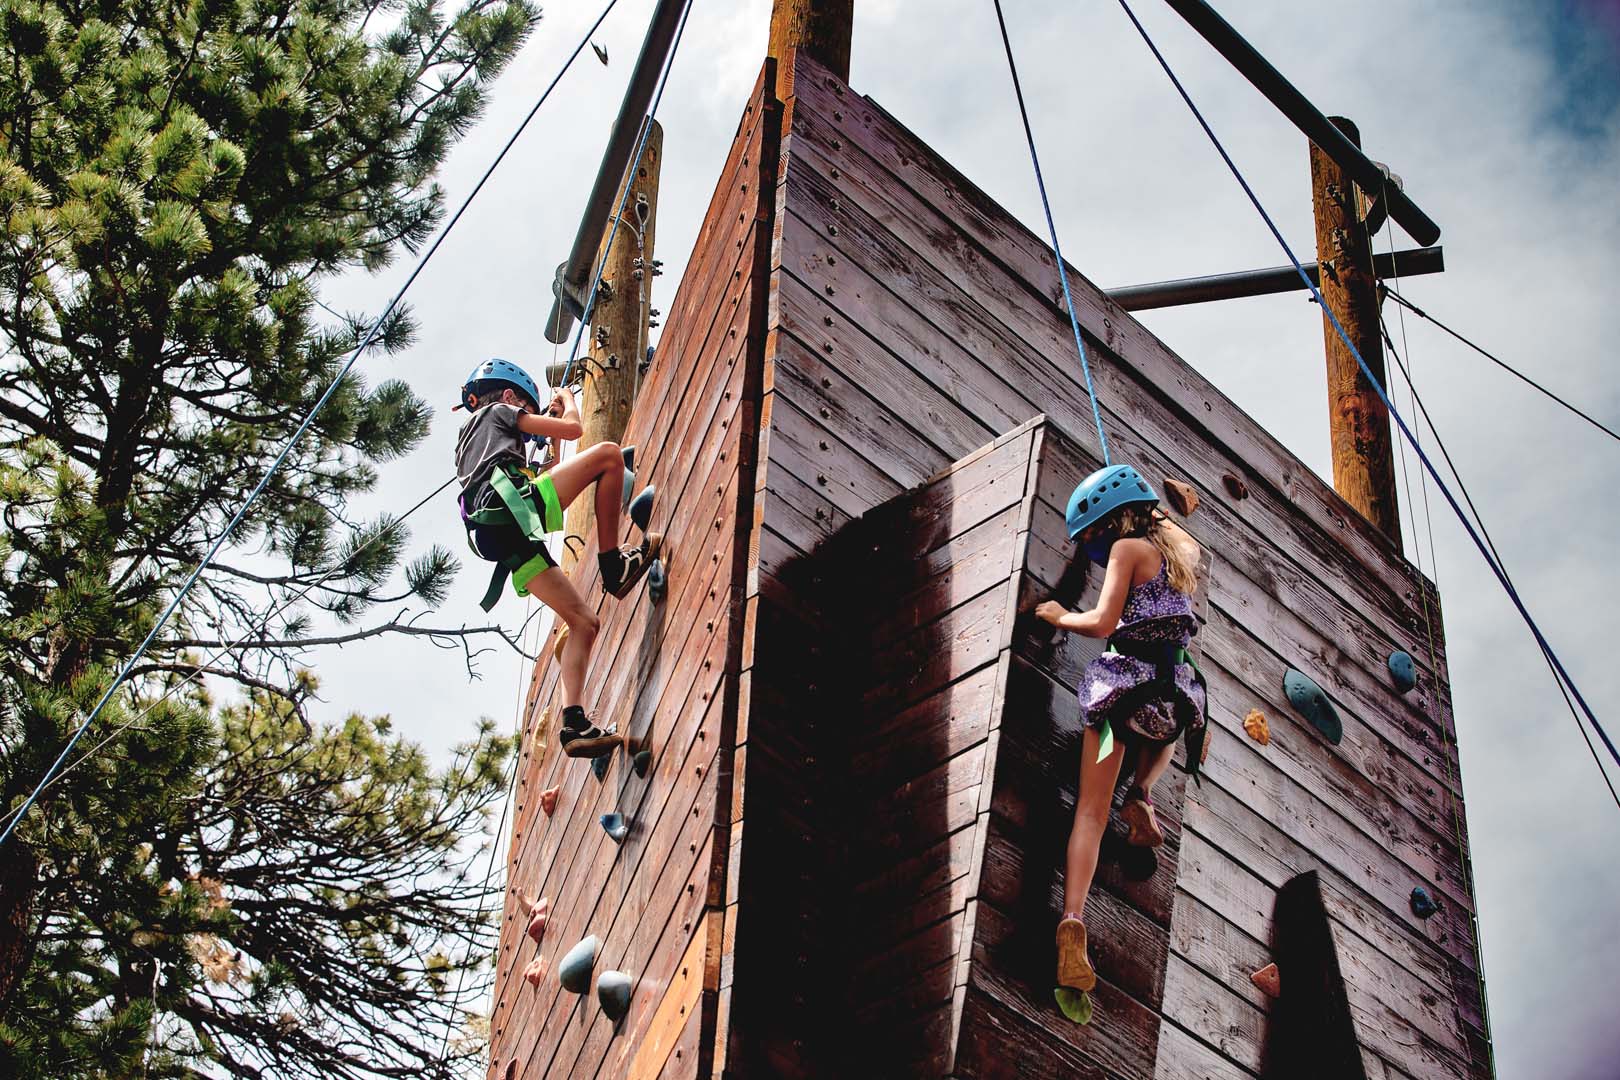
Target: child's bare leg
1151, 761
553, 589
601, 464
1097, 781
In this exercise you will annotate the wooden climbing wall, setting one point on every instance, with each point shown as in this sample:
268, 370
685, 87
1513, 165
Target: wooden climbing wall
863, 419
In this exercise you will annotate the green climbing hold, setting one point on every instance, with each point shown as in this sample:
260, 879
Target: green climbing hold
642, 762
575, 970
1402, 670
1424, 906
1075, 1004
613, 994
1313, 704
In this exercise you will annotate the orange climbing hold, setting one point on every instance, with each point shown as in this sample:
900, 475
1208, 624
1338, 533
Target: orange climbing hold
548, 799
1255, 724
535, 972
1181, 496
1268, 981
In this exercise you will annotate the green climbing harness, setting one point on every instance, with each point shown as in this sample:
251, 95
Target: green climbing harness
529, 503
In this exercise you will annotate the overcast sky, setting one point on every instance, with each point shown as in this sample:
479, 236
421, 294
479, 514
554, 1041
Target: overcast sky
1503, 119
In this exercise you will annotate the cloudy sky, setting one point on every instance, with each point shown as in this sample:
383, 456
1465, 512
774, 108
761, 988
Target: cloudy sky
1504, 120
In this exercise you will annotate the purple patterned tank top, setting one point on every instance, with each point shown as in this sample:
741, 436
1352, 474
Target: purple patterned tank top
1156, 612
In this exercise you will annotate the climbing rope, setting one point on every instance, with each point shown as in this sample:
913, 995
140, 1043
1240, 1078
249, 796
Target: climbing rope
1051, 227
309, 419
1407, 305
1462, 489
1373, 381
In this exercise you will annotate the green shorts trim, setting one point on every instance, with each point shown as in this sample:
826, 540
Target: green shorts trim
551, 506
537, 565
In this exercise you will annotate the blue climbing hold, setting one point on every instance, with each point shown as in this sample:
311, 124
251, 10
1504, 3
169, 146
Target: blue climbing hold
642, 762
629, 486
640, 508
599, 767
1424, 905
613, 992
1313, 704
575, 970
629, 453
657, 581
1402, 670
616, 826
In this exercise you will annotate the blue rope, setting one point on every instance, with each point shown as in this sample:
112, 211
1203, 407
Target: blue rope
365, 343
1051, 227
624, 195
1366, 371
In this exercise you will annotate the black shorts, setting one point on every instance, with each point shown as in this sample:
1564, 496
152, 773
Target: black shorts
497, 543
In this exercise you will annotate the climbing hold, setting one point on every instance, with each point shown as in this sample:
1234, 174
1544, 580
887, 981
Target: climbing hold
629, 486
599, 767
557, 646
657, 581
616, 826
534, 972
1257, 728
1181, 496
574, 972
613, 992
539, 915
640, 508
1307, 697
1268, 981
1235, 487
1423, 905
548, 799
1402, 670
642, 762
629, 453
601, 53
1075, 1004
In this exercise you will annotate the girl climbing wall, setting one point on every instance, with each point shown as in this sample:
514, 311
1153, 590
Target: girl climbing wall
1141, 694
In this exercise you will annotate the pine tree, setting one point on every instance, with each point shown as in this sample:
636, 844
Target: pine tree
218, 885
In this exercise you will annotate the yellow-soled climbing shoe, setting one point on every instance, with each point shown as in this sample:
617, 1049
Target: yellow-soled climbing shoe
1074, 968
1145, 831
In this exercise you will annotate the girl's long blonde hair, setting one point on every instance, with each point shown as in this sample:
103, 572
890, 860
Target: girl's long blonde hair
1181, 552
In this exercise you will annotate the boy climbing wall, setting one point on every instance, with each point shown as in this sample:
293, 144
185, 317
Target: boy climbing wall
508, 508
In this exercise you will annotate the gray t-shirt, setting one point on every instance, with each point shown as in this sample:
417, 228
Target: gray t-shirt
489, 437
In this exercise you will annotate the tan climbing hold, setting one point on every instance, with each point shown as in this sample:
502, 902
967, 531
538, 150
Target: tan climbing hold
1255, 724
557, 646
535, 972
1181, 496
1268, 981
548, 799
539, 915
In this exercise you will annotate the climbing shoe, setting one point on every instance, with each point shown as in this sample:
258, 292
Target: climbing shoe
623, 568
1137, 814
581, 738
1074, 968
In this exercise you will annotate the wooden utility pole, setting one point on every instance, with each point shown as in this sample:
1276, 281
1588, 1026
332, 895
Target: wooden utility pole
819, 28
1363, 464
619, 321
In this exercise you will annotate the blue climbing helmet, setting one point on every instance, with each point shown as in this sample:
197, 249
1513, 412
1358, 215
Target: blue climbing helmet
1103, 492
501, 371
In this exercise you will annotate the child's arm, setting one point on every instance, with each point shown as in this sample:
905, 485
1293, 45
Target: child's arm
1101, 620
561, 427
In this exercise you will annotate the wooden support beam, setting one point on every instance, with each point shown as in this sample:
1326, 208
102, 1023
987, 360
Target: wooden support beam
619, 322
818, 28
1358, 423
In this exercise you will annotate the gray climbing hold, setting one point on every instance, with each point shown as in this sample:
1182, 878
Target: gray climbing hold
575, 970
613, 992
1313, 704
657, 581
1402, 670
1423, 905
599, 767
629, 453
616, 826
642, 762
640, 508
629, 486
